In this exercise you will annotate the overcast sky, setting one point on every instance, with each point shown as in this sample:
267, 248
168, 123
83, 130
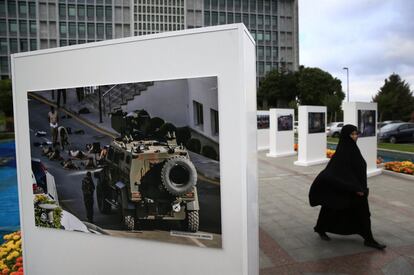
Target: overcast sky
374, 38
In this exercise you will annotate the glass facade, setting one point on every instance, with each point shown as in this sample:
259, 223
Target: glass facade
68, 22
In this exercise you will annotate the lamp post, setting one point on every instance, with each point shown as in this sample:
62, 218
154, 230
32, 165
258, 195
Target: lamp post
347, 82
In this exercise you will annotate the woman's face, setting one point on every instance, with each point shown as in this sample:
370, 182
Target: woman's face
354, 135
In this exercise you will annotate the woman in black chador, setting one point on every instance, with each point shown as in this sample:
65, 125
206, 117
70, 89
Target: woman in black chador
341, 189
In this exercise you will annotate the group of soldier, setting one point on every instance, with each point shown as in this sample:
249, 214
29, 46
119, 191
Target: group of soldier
60, 139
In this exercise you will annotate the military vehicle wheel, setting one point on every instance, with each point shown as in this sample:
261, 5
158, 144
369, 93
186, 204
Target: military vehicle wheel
192, 221
103, 205
178, 175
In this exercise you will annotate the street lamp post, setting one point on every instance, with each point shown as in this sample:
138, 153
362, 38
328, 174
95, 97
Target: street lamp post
347, 82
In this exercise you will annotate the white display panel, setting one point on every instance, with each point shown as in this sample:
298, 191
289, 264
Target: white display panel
367, 142
281, 134
263, 124
228, 52
312, 139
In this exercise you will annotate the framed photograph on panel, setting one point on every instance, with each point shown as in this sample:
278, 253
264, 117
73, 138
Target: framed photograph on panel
126, 149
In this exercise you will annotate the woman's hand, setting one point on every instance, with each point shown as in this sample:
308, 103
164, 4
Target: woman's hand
360, 193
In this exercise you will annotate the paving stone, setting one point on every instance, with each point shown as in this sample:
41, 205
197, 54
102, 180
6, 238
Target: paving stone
400, 266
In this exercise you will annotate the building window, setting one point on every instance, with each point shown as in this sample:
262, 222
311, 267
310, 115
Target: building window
13, 26
72, 29
91, 13
214, 18
81, 12
11, 8
237, 18
237, 5
99, 13
3, 46
222, 18
81, 29
214, 122
22, 9
260, 52
267, 37
32, 10
62, 11
108, 31
3, 27
63, 29
100, 30
91, 30
72, 11
207, 18
4, 64
63, 43
24, 46
198, 114
33, 44
2, 8
13, 45
108, 13
23, 27
230, 18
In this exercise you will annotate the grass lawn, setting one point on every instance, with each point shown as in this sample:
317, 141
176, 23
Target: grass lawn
403, 147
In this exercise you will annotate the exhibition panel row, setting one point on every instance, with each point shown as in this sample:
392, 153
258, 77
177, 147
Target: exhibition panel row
311, 133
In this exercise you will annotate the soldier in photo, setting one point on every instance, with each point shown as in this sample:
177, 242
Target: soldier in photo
88, 188
53, 122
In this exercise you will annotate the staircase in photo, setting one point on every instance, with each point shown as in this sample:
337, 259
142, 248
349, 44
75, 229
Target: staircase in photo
114, 97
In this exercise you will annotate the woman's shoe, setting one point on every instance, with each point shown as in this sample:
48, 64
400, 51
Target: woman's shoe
374, 244
324, 236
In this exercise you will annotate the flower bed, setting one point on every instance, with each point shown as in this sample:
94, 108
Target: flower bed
405, 167
11, 260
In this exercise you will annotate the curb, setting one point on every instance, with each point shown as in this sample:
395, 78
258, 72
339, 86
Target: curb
74, 115
399, 175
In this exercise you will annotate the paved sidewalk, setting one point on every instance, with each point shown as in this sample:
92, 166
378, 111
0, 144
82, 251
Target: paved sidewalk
288, 244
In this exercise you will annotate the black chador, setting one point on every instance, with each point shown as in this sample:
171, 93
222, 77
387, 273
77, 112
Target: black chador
341, 189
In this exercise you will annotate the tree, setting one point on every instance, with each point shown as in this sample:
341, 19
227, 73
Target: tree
278, 89
317, 87
307, 86
6, 97
395, 100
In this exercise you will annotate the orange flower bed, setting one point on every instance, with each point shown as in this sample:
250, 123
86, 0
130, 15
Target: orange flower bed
11, 260
405, 167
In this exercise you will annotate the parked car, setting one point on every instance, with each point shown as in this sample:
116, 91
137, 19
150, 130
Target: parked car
386, 122
334, 129
397, 132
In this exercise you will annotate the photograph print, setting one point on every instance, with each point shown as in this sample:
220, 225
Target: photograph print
366, 123
262, 122
114, 160
285, 123
316, 123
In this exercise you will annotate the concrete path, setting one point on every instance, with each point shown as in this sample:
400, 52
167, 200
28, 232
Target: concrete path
288, 244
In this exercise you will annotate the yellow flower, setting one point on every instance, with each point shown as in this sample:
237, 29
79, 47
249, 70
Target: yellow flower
16, 237
9, 258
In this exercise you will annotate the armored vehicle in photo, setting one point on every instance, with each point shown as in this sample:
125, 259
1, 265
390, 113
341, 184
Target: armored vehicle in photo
148, 179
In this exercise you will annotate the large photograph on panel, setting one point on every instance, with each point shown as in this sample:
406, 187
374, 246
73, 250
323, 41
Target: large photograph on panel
366, 123
136, 160
316, 123
263, 122
284, 123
